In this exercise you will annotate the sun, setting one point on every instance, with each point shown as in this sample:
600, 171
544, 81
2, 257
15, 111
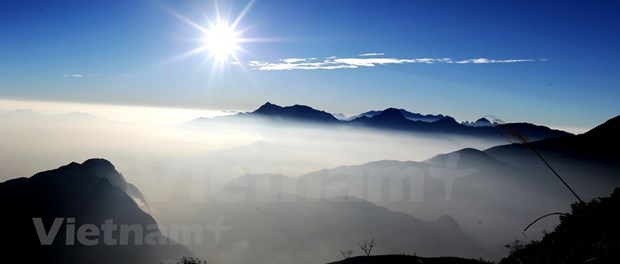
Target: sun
220, 37
221, 41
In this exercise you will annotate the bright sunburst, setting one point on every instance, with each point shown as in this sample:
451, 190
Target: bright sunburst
220, 38
221, 41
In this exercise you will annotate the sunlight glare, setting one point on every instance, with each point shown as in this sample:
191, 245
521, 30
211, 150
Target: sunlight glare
221, 41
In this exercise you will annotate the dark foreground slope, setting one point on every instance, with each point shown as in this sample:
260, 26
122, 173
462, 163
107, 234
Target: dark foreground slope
405, 259
590, 233
90, 193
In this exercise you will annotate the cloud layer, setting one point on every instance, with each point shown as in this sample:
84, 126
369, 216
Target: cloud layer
365, 60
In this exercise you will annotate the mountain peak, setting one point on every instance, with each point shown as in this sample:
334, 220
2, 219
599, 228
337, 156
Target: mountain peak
295, 112
267, 108
392, 112
447, 221
390, 117
481, 122
99, 164
105, 169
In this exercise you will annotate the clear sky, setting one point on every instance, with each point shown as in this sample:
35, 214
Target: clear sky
548, 62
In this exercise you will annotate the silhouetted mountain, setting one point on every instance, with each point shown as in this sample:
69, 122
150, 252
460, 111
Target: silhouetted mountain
294, 113
589, 162
77, 200
409, 115
392, 118
388, 118
448, 124
478, 123
607, 130
596, 146
406, 259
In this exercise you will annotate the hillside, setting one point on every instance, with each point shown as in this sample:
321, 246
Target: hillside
406, 259
90, 194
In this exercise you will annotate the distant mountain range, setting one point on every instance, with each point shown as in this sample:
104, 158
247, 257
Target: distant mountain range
389, 119
409, 115
44, 219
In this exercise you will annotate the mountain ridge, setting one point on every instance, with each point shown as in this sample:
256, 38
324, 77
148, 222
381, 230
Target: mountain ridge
294, 112
393, 119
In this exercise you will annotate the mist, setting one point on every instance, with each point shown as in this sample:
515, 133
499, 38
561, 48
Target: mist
50, 134
293, 192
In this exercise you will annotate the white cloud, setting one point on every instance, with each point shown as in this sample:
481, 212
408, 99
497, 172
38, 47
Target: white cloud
292, 60
333, 62
278, 66
79, 75
371, 54
487, 61
371, 62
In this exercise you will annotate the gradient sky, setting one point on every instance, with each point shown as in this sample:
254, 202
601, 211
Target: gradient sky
554, 63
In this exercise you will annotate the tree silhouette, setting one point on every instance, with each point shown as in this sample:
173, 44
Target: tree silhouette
367, 246
346, 253
514, 246
190, 260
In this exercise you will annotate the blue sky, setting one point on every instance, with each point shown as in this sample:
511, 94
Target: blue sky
549, 62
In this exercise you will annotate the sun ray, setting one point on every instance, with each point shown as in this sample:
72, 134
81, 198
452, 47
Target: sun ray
188, 21
242, 14
221, 38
